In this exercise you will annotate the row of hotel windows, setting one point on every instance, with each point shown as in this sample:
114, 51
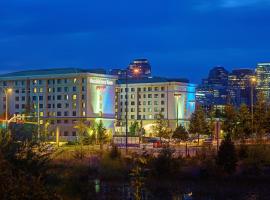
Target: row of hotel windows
156, 109
58, 114
41, 106
155, 116
149, 103
149, 89
40, 98
50, 89
132, 96
50, 81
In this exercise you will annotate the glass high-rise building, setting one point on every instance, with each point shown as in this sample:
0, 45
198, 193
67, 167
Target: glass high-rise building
263, 79
240, 86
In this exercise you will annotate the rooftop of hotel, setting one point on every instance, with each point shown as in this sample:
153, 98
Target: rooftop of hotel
53, 71
152, 80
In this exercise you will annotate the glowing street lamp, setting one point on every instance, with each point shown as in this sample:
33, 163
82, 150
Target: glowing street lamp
253, 81
7, 91
135, 71
177, 96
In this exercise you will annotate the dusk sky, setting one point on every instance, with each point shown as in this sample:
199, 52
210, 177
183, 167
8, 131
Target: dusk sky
181, 38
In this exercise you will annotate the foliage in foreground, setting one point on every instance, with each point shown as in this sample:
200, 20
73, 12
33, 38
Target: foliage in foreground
23, 170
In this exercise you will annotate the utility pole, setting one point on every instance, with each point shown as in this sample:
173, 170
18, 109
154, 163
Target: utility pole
253, 81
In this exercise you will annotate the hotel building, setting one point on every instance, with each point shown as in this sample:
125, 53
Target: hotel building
147, 97
60, 97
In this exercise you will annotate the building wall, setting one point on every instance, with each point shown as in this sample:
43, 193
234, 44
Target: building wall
147, 100
61, 99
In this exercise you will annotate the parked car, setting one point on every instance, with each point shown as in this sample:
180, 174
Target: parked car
208, 141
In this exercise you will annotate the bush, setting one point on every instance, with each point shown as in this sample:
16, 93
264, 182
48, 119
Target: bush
165, 165
257, 159
115, 153
112, 168
227, 157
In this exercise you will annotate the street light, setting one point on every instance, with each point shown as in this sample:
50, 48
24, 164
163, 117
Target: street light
7, 91
135, 71
253, 82
177, 95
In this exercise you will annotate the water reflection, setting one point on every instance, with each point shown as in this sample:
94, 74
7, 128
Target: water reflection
180, 191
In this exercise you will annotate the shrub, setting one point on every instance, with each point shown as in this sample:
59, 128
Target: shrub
227, 157
165, 165
258, 157
112, 168
114, 153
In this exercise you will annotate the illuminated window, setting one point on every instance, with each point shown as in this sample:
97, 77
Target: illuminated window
40, 89
41, 114
83, 113
35, 90
41, 122
74, 105
74, 80
83, 104
74, 96
49, 89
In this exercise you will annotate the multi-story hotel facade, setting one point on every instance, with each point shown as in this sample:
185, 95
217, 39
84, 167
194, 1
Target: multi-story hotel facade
61, 97
147, 97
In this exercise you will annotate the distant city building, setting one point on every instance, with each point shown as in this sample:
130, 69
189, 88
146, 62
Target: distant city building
120, 73
212, 92
222, 87
239, 86
147, 97
60, 97
263, 79
138, 68
218, 76
142, 65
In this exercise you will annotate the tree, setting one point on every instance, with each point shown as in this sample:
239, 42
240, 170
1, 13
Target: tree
101, 133
227, 156
230, 120
198, 123
24, 166
134, 128
180, 133
267, 124
161, 127
243, 129
260, 116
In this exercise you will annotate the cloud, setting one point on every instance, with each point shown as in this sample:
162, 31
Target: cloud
226, 4
242, 3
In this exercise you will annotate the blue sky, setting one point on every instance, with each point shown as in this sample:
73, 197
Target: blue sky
181, 38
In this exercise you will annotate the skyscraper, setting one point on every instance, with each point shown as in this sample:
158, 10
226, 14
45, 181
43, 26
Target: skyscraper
239, 86
263, 79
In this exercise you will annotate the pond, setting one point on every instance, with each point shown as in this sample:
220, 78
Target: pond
182, 190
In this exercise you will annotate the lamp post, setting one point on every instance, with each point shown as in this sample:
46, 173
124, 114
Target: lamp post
38, 117
177, 95
7, 91
135, 71
253, 82
126, 107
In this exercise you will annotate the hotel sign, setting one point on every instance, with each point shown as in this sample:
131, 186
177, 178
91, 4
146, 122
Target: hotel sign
101, 81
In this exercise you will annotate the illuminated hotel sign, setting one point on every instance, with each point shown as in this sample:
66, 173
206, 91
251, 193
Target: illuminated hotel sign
101, 81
